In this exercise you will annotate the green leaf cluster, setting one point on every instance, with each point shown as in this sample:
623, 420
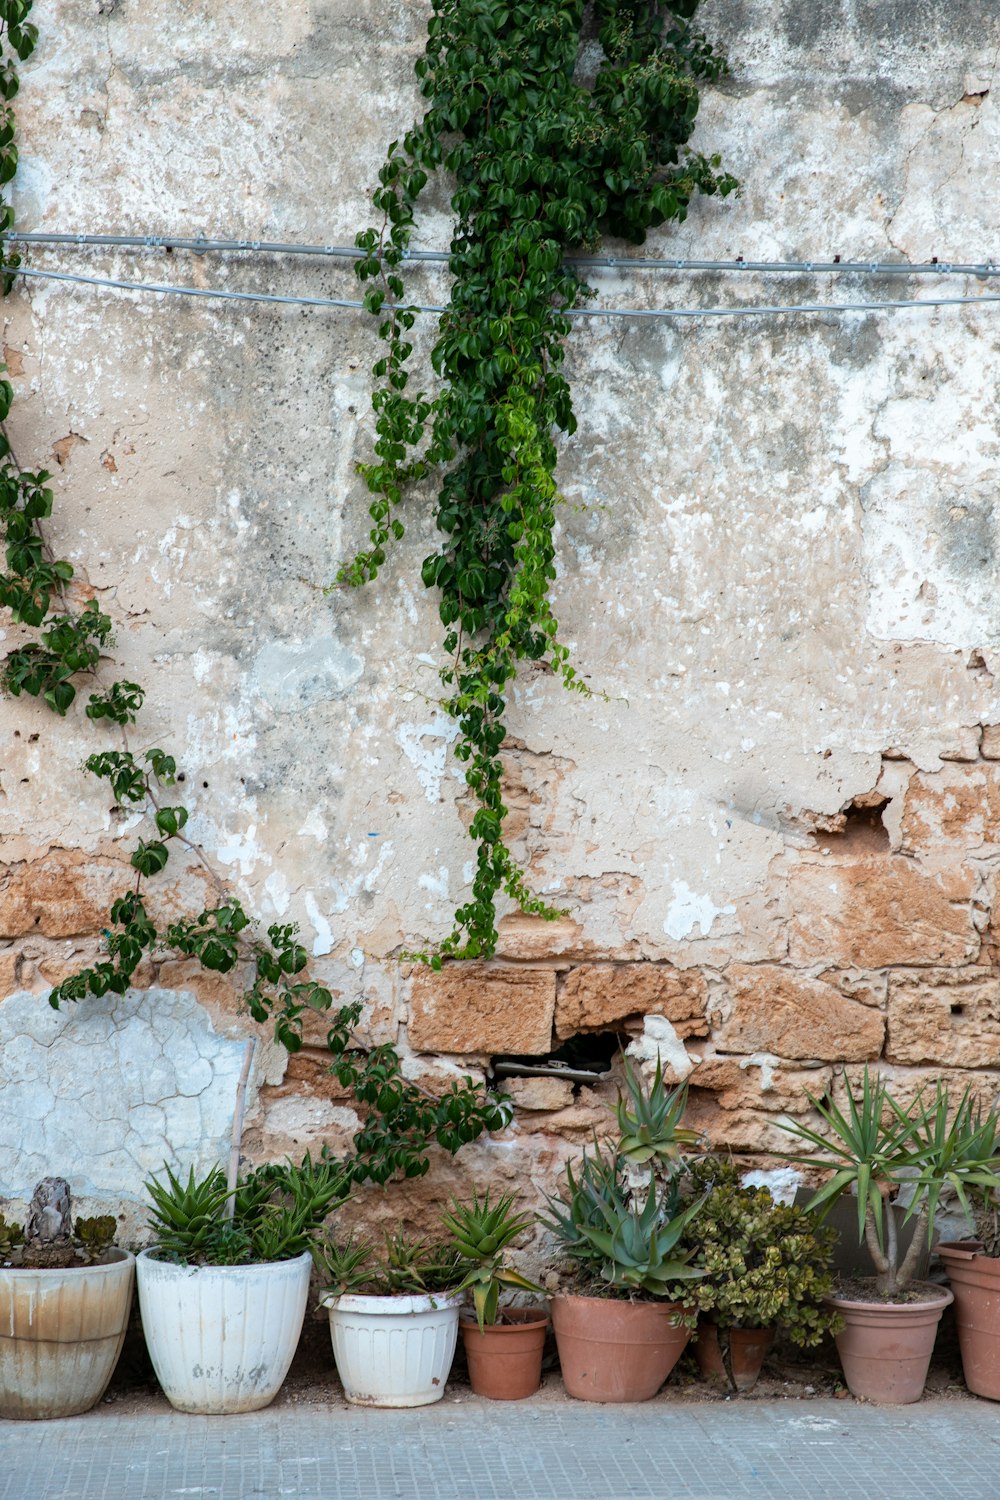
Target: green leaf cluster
542, 163
403, 1267
877, 1145
764, 1264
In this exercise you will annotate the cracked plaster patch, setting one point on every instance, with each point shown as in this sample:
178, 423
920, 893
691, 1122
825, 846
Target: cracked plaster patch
103, 1093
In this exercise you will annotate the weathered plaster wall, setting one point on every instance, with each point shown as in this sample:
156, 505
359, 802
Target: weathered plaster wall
776, 833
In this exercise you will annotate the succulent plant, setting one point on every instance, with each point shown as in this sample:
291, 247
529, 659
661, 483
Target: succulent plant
96, 1234
649, 1121
11, 1235
480, 1232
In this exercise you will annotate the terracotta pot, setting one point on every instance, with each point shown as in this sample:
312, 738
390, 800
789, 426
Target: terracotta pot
616, 1351
743, 1348
886, 1347
505, 1359
61, 1332
975, 1281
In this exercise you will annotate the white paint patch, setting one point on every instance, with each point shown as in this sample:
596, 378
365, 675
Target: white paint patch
660, 1042
436, 884
781, 1182
323, 941
242, 849
428, 759
688, 910
276, 887
314, 827
112, 1089
766, 1062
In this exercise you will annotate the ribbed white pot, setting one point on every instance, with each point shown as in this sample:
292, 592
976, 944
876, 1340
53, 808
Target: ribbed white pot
393, 1351
221, 1338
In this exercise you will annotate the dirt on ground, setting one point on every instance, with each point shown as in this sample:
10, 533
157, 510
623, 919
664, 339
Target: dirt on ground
789, 1374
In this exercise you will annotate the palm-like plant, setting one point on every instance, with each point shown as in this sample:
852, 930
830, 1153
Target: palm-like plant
877, 1145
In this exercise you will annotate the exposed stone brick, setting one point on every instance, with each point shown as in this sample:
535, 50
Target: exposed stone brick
597, 995
956, 806
945, 1017
881, 914
532, 939
989, 746
62, 894
906, 1083
9, 960
539, 1093
743, 1130
476, 1008
760, 1083
221, 990
776, 1011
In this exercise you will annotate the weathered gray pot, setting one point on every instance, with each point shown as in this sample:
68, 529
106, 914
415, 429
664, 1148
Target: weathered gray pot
61, 1332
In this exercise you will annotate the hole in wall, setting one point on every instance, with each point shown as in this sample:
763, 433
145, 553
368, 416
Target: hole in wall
958, 1009
858, 828
580, 1059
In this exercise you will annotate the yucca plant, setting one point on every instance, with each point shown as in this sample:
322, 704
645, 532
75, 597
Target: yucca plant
876, 1146
480, 1232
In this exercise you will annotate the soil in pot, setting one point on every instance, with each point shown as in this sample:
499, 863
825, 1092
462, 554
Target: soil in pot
734, 1356
885, 1347
616, 1351
505, 1358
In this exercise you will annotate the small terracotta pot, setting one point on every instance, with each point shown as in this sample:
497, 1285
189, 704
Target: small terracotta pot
616, 1351
975, 1281
886, 1347
505, 1359
743, 1348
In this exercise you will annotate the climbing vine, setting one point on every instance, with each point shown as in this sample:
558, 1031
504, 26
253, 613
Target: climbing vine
67, 638
544, 161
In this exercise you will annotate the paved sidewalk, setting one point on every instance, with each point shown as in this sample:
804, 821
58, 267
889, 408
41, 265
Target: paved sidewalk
788, 1450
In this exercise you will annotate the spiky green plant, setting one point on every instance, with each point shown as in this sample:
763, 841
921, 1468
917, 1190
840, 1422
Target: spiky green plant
649, 1121
481, 1232
877, 1145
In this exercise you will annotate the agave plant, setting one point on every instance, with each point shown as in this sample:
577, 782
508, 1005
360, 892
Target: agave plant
877, 1145
612, 1240
405, 1267
649, 1121
480, 1232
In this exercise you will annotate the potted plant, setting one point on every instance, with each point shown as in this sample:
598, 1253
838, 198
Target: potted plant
877, 1147
393, 1317
766, 1265
621, 1224
65, 1297
223, 1292
502, 1344
973, 1267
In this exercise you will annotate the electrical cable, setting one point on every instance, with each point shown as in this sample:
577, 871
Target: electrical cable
225, 295
200, 246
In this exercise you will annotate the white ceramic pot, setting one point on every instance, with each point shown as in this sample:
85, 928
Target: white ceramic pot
221, 1338
393, 1351
61, 1332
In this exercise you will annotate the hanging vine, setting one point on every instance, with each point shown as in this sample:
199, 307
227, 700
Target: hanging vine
543, 164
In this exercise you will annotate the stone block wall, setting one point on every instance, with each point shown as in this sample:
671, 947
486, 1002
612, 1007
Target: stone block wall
774, 827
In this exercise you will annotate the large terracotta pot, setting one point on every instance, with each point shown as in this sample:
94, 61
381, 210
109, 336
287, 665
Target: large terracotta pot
886, 1347
616, 1351
61, 1332
975, 1281
505, 1359
734, 1355
221, 1338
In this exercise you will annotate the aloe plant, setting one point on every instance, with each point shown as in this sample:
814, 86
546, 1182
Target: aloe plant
649, 1121
277, 1211
480, 1232
405, 1267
